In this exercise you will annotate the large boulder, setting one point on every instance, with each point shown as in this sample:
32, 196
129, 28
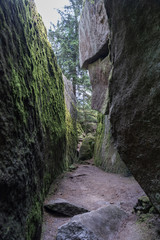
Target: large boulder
135, 89
133, 101
101, 224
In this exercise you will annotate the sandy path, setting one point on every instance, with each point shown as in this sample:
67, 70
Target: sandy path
91, 188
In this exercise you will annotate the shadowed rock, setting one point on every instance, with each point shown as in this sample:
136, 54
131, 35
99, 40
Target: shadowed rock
99, 72
101, 224
63, 207
132, 98
134, 89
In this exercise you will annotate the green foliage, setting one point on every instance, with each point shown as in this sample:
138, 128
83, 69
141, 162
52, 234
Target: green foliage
65, 42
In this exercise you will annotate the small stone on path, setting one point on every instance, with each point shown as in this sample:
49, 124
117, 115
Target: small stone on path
64, 207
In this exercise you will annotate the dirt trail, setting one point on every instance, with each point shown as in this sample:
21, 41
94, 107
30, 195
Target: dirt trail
92, 188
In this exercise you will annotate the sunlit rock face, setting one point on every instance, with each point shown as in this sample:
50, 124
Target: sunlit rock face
33, 132
94, 35
93, 32
93, 47
133, 86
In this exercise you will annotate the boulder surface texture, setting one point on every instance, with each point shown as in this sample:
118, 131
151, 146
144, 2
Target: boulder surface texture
133, 104
101, 224
75, 231
33, 132
63, 207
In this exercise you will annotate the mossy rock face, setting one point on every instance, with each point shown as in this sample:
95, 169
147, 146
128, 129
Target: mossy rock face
105, 153
33, 131
71, 126
87, 148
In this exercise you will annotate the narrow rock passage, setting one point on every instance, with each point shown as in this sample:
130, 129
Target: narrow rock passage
92, 188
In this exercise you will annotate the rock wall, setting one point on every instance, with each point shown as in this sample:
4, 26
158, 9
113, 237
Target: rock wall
94, 32
94, 36
133, 99
33, 132
135, 89
105, 153
71, 125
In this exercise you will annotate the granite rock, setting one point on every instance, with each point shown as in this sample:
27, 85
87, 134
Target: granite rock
132, 104
93, 32
102, 223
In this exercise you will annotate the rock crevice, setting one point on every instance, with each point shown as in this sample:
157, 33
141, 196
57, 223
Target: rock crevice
132, 84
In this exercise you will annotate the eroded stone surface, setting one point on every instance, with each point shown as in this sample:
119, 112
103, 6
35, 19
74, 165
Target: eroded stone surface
93, 32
